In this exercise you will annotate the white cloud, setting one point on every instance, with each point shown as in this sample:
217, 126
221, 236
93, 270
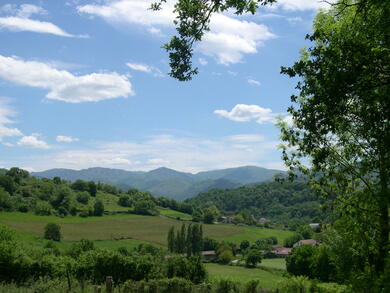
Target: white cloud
301, 5
18, 24
6, 114
253, 82
229, 39
247, 138
18, 19
244, 113
131, 11
202, 61
157, 161
33, 141
145, 68
165, 150
63, 138
63, 85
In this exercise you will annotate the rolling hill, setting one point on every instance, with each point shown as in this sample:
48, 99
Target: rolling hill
167, 182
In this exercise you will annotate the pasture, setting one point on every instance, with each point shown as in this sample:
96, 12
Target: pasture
243, 275
152, 229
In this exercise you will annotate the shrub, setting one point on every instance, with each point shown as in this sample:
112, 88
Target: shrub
98, 208
53, 232
83, 197
253, 258
301, 261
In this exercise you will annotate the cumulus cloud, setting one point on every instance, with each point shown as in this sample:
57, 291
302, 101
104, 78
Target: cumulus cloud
63, 138
131, 11
33, 141
6, 115
145, 68
244, 113
63, 85
247, 138
253, 82
301, 5
227, 41
18, 20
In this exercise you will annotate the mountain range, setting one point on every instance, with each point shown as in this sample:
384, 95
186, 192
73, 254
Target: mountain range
167, 182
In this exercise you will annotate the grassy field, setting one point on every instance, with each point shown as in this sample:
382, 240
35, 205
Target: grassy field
125, 226
175, 214
252, 234
243, 275
273, 263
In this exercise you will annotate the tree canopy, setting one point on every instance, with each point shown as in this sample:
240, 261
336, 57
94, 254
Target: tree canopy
340, 132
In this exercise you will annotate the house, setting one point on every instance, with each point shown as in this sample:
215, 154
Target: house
280, 251
208, 254
314, 226
225, 220
311, 242
263, 220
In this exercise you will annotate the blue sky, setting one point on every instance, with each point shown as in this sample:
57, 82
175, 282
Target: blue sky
85, 84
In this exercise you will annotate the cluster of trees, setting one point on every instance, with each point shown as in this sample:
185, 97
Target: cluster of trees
83, 262
43, 196
313, 262
20, 192
290, 203
188, 240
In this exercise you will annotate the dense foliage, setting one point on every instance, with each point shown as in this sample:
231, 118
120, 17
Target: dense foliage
341, 124
188, 240
21, 192
289, 203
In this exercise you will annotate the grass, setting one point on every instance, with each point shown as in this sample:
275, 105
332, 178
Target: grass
126, 226
273, 263
175, 214
110, 202
243, 275
252, 234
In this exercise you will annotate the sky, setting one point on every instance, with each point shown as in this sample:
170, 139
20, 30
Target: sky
84, 84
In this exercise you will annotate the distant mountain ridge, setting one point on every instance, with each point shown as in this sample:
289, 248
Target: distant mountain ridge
168, 182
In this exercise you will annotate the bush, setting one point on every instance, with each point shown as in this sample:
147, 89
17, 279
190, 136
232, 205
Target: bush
294, 285
52, 232
43, 209
98, 208
253, 258
301, 261
83, 197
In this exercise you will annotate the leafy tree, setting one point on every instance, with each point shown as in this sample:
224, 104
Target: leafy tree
83, 197
80, 185
193, 18
98, 208
17, 174
341, 123
306, 231
301, 261
224, 253
252, 258
171, 239
145, 207
92, 188
244, 245
53, 232
8, 184
209, 217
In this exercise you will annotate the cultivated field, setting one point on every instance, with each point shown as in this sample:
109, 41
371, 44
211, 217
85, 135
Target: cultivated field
118, 227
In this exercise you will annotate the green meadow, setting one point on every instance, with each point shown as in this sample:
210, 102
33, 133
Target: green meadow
152, 229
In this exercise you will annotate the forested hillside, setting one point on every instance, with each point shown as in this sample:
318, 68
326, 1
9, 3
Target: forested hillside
281, 202
24, 193
167, 182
